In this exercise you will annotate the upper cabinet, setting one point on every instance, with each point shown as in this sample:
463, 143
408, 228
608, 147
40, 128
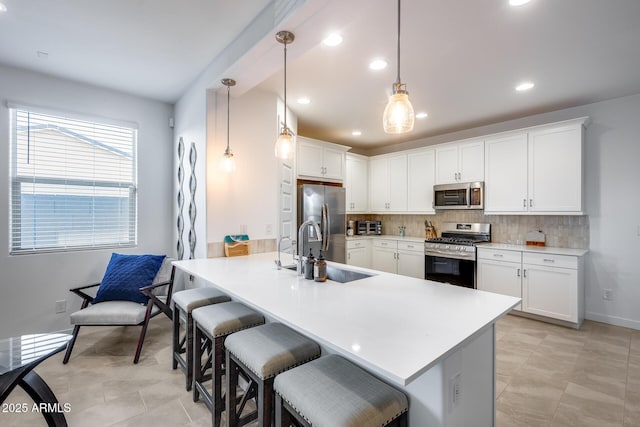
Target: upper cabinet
388, 183
319, 160
356, 183
420, 180
460, 162
536, 171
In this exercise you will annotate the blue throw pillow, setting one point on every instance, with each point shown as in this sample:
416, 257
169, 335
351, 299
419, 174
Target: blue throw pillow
125, 275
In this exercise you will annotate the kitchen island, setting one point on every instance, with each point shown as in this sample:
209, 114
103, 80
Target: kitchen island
434, 341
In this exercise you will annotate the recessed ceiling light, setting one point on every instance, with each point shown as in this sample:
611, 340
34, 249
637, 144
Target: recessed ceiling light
378, 64
518, 2
333, 39
421, 115
356, 133
304, 101
3, 8
524, 86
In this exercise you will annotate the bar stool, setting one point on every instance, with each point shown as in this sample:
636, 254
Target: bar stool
331, 391
212, 325
184, 302
262, 353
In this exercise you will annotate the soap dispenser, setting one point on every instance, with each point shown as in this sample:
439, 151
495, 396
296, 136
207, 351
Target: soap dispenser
309, 266
320, 269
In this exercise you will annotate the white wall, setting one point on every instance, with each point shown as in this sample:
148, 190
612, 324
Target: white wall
31, 284
612, 153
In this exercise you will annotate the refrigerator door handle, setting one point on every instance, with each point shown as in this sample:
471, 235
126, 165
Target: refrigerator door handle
326, 226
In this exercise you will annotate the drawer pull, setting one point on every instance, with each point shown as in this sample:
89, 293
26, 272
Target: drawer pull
518, 273
498, 255
410, 246
549, 260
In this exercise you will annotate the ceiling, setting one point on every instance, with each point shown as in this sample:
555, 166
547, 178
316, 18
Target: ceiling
460, 59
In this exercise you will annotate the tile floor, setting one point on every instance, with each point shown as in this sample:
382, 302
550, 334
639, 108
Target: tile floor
546, 376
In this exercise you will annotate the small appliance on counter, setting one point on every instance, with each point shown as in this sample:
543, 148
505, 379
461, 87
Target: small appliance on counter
535, 238
369, 227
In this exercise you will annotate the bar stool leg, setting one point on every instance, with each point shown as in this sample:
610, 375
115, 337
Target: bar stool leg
232, 384
217, 371
176, 337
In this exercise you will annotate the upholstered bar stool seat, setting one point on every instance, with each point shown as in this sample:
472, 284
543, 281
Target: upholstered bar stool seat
262, 353
184, 302
333, 392
212, 325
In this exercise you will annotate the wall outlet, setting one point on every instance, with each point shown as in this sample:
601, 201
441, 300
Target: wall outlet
607, 294
61, 306
269, 229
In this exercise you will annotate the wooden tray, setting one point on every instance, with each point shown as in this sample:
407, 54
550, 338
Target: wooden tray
236, 245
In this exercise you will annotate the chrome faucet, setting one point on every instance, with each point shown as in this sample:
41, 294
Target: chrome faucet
304, 226
292, 247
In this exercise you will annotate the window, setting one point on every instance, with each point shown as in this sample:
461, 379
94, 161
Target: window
73, 183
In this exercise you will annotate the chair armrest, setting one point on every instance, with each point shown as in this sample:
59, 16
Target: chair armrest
86, 297
153, 299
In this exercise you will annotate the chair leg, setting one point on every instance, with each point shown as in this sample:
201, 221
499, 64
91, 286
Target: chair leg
143, 332
176, 337
189, 353
67, 354
232, 384
265, 402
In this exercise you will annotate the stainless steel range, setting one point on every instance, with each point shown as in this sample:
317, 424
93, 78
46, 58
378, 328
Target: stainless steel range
451, 258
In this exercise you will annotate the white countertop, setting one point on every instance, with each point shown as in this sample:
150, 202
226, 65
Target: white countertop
535, 249
412, 239
394, 325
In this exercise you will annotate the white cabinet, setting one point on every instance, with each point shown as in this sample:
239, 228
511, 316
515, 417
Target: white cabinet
359, 253
356, 183
460, 162
536, 171
320, 160
420, 181
388, 183
500, 272
399, 257
550, 285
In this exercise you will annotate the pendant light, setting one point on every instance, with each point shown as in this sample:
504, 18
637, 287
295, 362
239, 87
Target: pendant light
228, 163
398, 115
284, 144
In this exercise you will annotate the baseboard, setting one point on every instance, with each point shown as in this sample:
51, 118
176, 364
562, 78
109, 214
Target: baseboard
613, 320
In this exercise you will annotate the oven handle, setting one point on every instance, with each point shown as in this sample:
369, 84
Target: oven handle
445, 254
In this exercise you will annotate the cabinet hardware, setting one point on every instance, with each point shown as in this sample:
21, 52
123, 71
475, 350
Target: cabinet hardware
518, 273
530, 203
410, 246
549, 260
524, 273
524, 203
498, 255
398, 256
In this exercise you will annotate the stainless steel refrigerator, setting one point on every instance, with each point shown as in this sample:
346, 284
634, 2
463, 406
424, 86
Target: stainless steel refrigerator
325, 205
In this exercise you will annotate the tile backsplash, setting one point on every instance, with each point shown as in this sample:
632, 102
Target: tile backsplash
561, 231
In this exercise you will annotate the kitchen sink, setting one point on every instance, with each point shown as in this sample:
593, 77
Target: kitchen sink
340, 275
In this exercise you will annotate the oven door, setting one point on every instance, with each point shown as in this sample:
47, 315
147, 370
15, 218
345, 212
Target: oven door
459, 272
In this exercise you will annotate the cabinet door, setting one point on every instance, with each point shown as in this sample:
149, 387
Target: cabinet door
550, 292
333, 163
358, 257
555, 169
420, 181
378, 184
397, 183
309, 159
506, 174
500, 277
356, 184
411, 264
471, 161
447, 164
384, 259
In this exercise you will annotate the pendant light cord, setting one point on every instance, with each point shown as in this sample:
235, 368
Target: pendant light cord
285, 84
228, 102
398, 77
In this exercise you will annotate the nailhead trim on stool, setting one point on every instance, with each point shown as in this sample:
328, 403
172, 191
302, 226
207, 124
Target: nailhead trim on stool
212, 325
333, 392
184, 302
262, 353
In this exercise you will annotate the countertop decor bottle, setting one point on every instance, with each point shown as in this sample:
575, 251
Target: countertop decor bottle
309, 266
320, 270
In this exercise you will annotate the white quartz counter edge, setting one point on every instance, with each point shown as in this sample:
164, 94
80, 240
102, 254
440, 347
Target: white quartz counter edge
535, 249
396, 326
412, 239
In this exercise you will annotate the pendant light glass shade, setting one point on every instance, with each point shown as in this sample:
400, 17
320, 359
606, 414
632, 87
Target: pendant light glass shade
285, 142
228, 162
398, 115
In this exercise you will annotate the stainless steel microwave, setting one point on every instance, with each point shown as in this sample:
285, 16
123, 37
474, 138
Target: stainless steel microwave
463, 195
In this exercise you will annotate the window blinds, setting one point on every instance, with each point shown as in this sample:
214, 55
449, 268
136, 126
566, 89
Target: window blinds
73, 183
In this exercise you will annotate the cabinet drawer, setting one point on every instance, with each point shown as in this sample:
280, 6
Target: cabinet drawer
389, 244
411, 246
498, 255
550, 260
353, 244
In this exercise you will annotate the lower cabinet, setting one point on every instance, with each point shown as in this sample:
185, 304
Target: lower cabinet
399, 257
550, 285
359, 253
